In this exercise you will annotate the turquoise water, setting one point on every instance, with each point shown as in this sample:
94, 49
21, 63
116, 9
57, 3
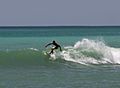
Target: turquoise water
90, 57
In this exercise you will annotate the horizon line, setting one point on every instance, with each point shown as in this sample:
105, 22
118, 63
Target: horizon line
59, 26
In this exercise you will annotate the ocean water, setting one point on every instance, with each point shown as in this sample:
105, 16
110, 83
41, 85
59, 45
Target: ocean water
90, 57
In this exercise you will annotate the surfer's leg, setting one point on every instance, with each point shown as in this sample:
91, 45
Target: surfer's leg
51, 52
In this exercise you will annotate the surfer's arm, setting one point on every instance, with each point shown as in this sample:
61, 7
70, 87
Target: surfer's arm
48, 44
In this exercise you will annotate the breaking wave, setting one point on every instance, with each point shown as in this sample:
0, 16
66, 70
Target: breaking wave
90, 52
83, 52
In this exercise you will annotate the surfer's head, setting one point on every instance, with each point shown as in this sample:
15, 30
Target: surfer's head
53, 41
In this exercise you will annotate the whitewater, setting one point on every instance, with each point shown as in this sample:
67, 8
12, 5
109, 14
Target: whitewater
89, 52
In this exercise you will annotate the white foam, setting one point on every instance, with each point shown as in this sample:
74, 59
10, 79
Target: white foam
90, 52
34, 49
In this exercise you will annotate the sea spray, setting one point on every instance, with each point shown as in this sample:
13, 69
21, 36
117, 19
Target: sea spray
90, 52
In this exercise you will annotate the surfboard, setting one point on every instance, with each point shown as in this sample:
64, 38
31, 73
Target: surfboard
50, 56
46, 53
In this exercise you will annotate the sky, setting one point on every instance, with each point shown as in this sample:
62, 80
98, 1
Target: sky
59, 12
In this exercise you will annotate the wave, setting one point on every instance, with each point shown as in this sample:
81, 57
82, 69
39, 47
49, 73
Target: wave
31, 56
83, 52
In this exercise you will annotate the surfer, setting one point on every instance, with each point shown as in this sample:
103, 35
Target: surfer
56, 46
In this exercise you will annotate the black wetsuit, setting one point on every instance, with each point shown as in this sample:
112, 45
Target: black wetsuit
56, 47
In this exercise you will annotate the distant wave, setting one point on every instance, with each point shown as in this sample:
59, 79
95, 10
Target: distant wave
83, 52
